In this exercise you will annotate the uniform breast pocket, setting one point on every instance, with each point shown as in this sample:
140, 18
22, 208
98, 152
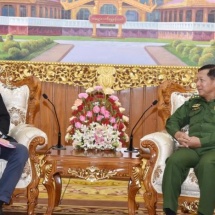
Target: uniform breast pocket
210, 116
196, 116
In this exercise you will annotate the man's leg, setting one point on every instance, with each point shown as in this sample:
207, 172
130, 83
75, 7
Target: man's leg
205, 172
16, 158
176, 171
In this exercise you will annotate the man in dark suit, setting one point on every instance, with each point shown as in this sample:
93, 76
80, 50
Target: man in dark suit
16, 158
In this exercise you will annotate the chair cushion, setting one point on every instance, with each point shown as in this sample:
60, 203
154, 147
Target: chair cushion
178, 99
16, 101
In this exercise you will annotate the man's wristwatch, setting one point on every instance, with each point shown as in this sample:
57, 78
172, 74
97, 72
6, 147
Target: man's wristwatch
3, 136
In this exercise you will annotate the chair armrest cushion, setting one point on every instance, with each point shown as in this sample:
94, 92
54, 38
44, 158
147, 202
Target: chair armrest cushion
164, 143
25, 133
159, 146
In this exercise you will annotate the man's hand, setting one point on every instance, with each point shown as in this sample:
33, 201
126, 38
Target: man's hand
186, 141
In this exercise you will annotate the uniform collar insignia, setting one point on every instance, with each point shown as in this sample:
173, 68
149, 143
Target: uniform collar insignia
196, 106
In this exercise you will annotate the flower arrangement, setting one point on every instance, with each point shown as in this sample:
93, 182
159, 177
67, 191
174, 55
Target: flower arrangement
97, 121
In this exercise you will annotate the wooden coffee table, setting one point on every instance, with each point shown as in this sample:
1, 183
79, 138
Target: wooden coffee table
92, 166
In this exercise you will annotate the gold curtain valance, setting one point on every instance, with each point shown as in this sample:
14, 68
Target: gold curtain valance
86, 75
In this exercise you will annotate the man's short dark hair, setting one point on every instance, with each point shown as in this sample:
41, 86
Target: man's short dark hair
211, 70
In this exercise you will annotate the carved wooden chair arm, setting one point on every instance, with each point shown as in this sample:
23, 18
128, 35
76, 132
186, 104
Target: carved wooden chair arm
163, 142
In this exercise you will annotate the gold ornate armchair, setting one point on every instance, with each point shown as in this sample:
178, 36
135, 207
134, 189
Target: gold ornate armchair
22, 101
159, 146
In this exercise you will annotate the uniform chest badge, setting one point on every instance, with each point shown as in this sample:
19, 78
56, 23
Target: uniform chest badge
196, 106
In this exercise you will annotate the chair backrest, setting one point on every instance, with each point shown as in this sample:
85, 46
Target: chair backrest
21, 99
170, 96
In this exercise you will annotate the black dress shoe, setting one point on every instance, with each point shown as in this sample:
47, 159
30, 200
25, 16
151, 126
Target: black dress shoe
1, 211
168, 211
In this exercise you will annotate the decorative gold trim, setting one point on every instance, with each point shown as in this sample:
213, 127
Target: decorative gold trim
5, 76
137, 175
87, 75
92, 173
47, 171
190, 207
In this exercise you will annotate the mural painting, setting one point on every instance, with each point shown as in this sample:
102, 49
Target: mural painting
120, 32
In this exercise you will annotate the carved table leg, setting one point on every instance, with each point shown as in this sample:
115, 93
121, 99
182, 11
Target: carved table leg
48, 182
133, 186
58, 188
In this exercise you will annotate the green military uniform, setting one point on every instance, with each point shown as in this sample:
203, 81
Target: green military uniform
200, 115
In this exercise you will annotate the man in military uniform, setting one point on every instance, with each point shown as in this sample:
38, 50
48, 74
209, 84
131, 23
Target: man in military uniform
196, 149
16, 158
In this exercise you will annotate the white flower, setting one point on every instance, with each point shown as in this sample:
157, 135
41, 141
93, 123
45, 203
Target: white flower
74, 107
108, 91
124, 128
90, 90
126, 137
125, 118
96, 136
68, 137
118, 103
121, 109
71, 118
69, 128
95, 103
